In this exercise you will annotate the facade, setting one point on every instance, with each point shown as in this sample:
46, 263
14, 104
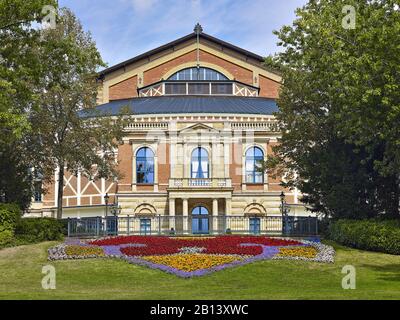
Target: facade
202, 121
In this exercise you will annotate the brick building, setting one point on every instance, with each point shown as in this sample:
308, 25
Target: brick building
202, 121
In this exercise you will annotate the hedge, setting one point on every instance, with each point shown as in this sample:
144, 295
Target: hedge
373, 235
9, 216
39, 229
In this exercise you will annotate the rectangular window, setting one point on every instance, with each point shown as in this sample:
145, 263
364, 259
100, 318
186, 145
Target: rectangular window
221, 88
37, 193
175, 88
199, 88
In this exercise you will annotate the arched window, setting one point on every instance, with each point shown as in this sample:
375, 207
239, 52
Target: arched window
145, 166
254, 159
198, 74
199, 163
200, 211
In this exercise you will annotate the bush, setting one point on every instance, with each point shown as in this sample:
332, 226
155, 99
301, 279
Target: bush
373, 235
6, 237
39, 229
9, 216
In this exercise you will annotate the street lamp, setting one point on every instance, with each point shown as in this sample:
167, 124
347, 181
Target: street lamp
282, 196
106, 197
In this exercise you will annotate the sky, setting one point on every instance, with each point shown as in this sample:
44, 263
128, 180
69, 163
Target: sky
124, 29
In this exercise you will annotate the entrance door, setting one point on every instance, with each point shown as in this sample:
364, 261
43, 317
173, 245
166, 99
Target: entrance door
254, 225
200, 220
145, 226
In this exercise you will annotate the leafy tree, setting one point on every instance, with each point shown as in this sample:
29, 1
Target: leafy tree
19, 76
64, 138
19, 63
339, 107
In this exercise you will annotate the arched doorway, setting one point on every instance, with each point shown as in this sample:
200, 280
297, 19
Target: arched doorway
200, 220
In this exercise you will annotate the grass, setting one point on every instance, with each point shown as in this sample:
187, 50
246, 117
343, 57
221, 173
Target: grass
378, 277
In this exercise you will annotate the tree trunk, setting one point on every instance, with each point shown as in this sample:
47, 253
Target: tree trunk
60, 191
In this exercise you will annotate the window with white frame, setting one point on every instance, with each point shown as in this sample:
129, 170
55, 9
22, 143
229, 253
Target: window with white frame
254, 160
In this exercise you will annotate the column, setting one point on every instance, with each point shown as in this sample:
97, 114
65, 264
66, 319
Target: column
185, 211
215, 216
228, 213
171, 214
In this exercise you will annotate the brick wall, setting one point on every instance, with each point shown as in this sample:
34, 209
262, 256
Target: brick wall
268, 88
239, 73
125, 167
124, 89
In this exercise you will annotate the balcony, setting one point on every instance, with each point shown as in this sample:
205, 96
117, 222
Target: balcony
200, 183
198, 87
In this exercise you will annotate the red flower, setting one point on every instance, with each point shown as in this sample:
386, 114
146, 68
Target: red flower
159, 245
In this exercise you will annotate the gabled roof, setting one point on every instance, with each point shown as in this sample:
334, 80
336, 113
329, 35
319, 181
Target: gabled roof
174, 43
188, 105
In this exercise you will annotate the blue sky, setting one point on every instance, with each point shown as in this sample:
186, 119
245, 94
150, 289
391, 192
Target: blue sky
123, 29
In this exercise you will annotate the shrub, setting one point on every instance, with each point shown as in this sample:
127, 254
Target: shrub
9, 215
373, 235
39, 229
6, 237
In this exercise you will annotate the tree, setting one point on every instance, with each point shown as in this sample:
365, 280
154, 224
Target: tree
19, 63
64, 138
339, 106
19, 76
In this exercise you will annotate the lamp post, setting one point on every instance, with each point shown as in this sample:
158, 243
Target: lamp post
282, 196
106, 197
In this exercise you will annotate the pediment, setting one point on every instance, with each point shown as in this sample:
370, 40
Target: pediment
198, 128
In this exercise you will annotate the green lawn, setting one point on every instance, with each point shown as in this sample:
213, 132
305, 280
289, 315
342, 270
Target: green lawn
378, 277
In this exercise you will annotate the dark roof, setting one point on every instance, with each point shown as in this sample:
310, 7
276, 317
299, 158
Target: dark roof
176, 42
190, 104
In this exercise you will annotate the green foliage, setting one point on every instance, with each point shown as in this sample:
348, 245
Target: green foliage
9, 216
338, 107
6, 237
19, 63
373, 235
33, 230
62, 136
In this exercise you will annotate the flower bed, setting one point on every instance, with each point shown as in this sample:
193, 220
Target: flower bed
193, 256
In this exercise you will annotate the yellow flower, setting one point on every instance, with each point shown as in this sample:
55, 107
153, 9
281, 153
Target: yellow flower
304, 252
192, 262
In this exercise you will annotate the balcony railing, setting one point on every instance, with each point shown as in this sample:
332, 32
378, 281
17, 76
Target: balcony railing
200, 183
204, 87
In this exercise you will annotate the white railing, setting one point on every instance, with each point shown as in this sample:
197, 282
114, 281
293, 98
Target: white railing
144, 126
200, 183
255, 126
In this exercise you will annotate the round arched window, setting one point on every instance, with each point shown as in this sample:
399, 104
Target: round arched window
201, 73
145, 166
254, 160
199, 163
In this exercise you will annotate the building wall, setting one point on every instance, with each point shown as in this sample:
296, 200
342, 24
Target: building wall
173, 143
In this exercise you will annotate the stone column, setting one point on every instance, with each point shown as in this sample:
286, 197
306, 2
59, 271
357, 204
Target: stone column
228, 212
215, 216
185, 211
171, 214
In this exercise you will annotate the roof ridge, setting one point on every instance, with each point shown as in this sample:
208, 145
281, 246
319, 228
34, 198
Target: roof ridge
175, 42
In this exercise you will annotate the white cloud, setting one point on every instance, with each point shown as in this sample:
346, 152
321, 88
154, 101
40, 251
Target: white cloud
143, 5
